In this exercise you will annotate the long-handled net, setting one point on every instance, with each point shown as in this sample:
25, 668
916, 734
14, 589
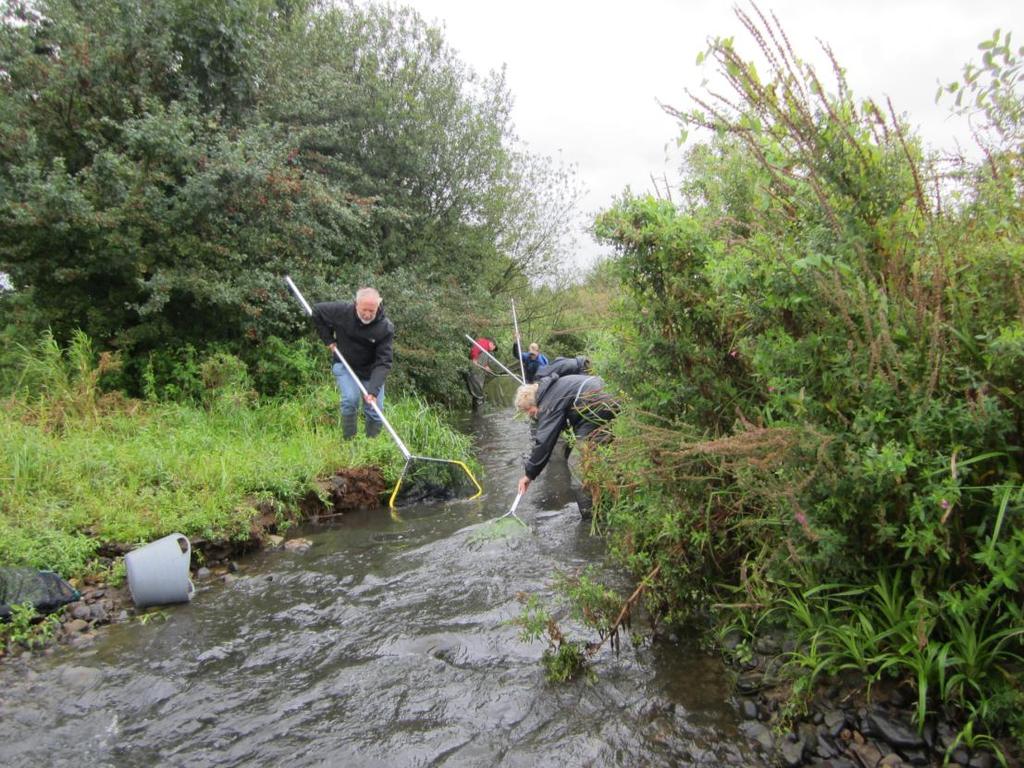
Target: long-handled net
422, 477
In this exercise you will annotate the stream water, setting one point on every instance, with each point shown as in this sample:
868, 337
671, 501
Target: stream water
387, 644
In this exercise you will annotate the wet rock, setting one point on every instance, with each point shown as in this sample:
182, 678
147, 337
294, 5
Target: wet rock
274, 541
835, 721
98, 613
945, 736
826, 746
76, 625
892, 760
961, 756
759, 733
981, 760
809, 736
731, 641
792, 752
768, 644
893, 732
749, 683
81, 611
227, 578
232, 566
868, 755
298, 546
916, 756
748, 709
203, 573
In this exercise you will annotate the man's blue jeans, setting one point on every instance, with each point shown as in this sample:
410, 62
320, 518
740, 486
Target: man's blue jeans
351, 397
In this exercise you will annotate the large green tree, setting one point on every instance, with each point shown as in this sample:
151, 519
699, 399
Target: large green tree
164, 163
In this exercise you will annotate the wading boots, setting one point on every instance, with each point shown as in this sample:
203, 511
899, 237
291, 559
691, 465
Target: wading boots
349, 425
373, 427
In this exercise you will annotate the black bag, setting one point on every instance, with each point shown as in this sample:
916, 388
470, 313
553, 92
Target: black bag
45, 590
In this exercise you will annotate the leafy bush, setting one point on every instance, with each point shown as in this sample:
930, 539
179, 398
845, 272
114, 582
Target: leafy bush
821, 346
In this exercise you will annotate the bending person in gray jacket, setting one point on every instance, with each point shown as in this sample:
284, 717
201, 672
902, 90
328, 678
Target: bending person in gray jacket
363, 335
575, 402
564, 366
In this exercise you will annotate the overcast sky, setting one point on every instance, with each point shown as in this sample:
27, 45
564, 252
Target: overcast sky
587, 76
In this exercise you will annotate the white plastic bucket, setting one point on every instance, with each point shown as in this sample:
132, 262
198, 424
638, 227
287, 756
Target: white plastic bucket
158, 571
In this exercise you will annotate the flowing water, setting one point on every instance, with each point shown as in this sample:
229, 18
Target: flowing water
387, 644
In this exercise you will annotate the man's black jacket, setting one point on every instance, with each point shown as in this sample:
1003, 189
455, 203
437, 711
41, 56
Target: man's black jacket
367, 348
564, 401
564, 366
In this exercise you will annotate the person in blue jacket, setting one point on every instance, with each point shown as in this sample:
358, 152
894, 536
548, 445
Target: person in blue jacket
576, 402
532, 361
363, 335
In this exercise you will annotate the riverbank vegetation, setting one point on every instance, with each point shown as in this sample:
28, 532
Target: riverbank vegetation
820, 342
825, 377
84, 468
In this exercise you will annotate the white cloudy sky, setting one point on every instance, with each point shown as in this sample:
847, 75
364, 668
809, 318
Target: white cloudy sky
586, 75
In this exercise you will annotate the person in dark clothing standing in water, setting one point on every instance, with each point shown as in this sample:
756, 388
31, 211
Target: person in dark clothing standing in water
479, 369
576, 402
363, 335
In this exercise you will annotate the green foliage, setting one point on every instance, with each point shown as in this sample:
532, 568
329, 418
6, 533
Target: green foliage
78, 468
563, 659
821, 349
27, 629
163, 165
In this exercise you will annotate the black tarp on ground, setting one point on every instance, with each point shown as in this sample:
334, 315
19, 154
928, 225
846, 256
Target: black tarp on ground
44, 589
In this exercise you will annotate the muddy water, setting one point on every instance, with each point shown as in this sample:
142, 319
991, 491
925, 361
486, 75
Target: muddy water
387, 644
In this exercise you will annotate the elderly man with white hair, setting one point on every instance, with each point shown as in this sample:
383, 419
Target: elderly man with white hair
577, 403
363, 335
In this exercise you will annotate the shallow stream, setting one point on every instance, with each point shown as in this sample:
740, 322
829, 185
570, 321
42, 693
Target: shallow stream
387, 644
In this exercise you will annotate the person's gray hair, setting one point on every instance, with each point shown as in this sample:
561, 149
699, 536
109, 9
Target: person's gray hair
368, 293
526, 396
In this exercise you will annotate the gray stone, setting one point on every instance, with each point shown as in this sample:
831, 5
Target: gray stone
809, 736
792, 753
826, 745
981, 760
77, 625
916, 756
892, 760
203, 573
893, 732
749, 683
866, 754
298, 546
945, 736
835, 721
98, 612
961, 756
748, 708
81, 611
758, 732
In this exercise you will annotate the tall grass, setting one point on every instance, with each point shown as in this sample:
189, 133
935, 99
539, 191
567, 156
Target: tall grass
78, 468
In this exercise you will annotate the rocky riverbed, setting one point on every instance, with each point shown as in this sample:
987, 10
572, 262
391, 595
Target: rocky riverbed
845, 725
